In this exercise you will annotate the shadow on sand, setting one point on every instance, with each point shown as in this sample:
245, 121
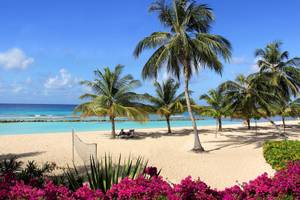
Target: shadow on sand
257, 135
20, 155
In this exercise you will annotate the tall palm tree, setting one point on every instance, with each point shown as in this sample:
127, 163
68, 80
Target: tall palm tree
166, 102
246, 97
216, 106
185, 47
285, 72
113, 97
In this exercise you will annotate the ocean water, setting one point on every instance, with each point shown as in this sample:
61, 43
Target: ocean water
65, 112
20, 111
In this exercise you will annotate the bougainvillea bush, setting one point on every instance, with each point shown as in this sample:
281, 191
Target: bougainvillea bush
285, 184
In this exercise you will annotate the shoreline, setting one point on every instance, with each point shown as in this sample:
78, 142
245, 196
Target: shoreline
103, 132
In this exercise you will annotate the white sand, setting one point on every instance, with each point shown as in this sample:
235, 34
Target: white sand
234, 156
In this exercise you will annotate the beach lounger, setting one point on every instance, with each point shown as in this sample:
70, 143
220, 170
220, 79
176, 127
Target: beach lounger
129, 134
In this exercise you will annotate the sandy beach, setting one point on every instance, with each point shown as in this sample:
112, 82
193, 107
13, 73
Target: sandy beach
234, 156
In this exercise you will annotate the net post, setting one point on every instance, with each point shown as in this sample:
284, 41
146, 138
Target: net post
96, 154
73, 159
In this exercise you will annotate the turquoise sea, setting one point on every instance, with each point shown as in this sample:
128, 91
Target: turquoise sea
59, 113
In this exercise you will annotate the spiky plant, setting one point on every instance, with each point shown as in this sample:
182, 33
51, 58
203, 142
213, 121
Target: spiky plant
186, 47
102, 174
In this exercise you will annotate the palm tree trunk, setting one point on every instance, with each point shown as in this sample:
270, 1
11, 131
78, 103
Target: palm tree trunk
248, 124
197, 145
168, 124
283, 123
220, 123
113, 127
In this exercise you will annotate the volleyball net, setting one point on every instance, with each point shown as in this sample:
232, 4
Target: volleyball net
84, 150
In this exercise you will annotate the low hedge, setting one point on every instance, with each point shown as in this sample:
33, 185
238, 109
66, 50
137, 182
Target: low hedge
279, 153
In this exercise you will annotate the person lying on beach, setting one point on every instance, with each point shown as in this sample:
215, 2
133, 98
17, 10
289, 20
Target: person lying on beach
128, 134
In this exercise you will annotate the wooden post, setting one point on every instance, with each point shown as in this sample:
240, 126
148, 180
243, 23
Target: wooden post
73, 159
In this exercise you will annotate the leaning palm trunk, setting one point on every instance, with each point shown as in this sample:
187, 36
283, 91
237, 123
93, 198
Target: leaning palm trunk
197, 145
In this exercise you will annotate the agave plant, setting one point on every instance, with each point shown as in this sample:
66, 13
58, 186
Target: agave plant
102, 174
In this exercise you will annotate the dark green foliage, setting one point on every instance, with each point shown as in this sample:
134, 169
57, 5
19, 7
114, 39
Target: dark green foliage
32, 173
102, 174
279, 153
10, 166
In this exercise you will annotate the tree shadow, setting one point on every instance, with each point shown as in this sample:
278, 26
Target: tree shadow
256, 135
251, 137
20, 155
159, 134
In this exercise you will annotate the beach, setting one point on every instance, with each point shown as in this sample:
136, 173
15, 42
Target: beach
235, 156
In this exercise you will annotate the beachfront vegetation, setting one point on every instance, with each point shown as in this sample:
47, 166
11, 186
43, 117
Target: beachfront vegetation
246, 97
279, 153
216, 106
104, 173
266, 93
167, 102
186, 47
287, 109
284, 72
112, 95
182, 50
149, 185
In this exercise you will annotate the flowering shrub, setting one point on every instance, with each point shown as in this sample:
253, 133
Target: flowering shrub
141, 188
284, 185
189, 189
279, 153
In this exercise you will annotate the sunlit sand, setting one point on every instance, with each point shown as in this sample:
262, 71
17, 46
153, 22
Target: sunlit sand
236, 155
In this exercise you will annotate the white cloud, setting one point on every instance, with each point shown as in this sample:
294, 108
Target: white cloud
254, 66
61, 81
238, 60
15, 58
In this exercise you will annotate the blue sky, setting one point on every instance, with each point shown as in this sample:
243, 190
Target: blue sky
46, 47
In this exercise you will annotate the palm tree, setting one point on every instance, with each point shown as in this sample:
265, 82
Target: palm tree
285, 72
166, 102
247, 97
113, 97
287, 109
185, 48
216, 106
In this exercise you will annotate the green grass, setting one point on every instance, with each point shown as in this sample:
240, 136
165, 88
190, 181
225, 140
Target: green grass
279, 153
